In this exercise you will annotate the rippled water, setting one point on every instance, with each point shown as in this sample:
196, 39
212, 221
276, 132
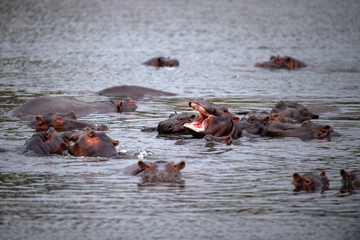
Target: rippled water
75, 48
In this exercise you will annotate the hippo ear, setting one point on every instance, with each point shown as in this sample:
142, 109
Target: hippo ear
39, 120
266, 119
47, 136
297, 178
114, 142
142, 165
58, 122
71, 115
343, 173
119, 105
180, 165
323, 174
274, 117
74, 137
228, 140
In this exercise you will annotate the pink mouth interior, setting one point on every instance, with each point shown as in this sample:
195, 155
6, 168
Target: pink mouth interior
199, 123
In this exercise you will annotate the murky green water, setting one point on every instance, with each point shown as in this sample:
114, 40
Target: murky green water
75, 48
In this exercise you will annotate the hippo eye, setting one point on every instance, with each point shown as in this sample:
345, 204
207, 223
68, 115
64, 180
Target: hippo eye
181, 118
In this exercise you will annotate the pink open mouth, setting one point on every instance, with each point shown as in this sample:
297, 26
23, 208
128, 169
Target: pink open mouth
199, 124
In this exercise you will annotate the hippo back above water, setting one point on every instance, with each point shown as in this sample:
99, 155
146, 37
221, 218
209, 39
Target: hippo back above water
134, 92
44, 105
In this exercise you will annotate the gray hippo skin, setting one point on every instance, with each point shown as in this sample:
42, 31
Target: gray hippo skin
175, 123
159, 171
311, 182
286, 62
62, 122
292, 112
162, 62
90, 143
350, 180
61, 105
47, 142
134, 92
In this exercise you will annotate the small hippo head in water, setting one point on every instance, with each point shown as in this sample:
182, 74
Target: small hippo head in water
91, 143
311, 182
62, 122
175, 123
160, 171
286, 62
212, 120
49, 142
162, 62
128, 105
350, 180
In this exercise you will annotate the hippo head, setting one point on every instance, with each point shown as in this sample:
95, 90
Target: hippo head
161, 171
310, 182
57, 121
91, 143
255, 125
317, 131
350, 180
211, 119
162, 62
175, 123
128, 105
48, 142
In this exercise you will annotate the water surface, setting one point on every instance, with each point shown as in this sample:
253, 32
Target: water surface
76, 48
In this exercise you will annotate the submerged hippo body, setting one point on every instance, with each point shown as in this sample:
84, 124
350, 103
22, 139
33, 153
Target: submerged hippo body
45, 105
47, 142
62, 122
286, 62
162, 62
212, 120
307, 130
159, 171
350, 180
61, 105
134, 92
311, 182
175, 123
292, 112
90, 143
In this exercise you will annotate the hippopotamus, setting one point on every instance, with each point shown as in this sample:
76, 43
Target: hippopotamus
212, 120
292, 112
45, 104
62, 122
254, 125
116, 105
162, 62
46, 142
350, 180
307, 130
134, 92
90, 143
159, 171
286, 62
175, 123
311, 182
228, 140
